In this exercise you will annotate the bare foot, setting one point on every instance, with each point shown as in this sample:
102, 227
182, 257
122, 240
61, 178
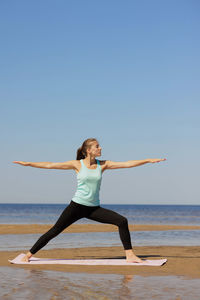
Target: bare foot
133, 258
26, 257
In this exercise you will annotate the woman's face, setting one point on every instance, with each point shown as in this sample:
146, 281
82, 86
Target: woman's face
95, 149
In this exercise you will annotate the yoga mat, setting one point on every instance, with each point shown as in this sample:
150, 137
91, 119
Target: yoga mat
111, 262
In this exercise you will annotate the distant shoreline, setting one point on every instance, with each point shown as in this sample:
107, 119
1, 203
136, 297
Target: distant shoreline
76, 228
109, 204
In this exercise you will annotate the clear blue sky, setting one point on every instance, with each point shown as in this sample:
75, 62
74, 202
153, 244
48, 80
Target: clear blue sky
125, 72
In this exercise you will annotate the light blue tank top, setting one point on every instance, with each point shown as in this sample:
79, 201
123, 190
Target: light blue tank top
89, 182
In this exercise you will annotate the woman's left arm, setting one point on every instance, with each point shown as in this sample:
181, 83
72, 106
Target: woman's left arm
108, 164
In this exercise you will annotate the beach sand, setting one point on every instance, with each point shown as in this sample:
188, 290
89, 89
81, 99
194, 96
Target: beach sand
182, 260
42, 228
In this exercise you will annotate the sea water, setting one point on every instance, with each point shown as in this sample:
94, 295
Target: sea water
25, 284
136, 214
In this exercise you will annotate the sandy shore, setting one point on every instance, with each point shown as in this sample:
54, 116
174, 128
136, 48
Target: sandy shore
182, 260
42, 228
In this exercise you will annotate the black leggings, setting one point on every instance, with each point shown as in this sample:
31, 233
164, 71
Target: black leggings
75, 211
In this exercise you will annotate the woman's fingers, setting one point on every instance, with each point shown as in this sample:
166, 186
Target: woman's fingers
19, 162
156, 160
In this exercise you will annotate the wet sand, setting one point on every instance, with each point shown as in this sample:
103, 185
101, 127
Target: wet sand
182, 260
75, 228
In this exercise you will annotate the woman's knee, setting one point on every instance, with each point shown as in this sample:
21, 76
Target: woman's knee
123, 222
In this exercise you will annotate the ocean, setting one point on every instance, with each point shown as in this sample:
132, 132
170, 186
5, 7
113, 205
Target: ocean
14, 213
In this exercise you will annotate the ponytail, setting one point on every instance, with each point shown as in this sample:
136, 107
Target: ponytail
79, 154
82, 151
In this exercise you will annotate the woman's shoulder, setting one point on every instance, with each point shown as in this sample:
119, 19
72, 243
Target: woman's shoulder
102, 162
77, 165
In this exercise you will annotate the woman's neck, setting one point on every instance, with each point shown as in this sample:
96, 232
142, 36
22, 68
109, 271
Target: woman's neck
90, 161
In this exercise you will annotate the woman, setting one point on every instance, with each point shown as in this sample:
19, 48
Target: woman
85, 202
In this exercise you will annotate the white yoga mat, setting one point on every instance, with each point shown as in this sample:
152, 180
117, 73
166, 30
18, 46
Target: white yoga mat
111, 262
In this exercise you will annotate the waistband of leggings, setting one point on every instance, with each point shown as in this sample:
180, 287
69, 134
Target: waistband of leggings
78, 204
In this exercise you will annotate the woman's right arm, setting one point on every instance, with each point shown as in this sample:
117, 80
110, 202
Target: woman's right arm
67, 165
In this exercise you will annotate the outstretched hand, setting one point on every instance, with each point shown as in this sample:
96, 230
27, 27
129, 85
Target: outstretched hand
23, 163
156, 160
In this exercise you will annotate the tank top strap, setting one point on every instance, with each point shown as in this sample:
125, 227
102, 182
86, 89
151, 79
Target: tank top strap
98, 164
